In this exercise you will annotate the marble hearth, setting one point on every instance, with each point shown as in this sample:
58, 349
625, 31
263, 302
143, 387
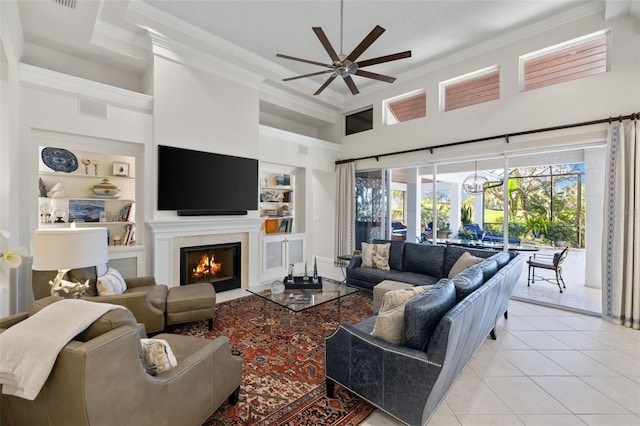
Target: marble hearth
169, 236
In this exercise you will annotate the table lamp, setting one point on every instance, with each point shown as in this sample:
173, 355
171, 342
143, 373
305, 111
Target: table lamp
69, 248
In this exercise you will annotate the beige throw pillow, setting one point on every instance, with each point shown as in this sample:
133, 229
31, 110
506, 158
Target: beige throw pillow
389, 324
463, 263
157, 356
394, 298
376, 255
111, 283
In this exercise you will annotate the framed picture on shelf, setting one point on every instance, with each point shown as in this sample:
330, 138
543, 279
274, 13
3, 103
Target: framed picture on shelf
85, 210
120, 169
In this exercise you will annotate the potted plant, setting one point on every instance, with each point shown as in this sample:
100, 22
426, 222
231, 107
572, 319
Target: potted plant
558, 233
537, 225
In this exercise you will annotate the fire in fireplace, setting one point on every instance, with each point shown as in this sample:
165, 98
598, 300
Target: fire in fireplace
218, 264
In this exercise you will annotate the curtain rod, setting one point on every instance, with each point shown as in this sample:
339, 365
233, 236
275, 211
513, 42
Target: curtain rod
632, 116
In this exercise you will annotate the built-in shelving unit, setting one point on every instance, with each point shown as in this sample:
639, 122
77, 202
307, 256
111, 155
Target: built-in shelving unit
77, 203
277, 201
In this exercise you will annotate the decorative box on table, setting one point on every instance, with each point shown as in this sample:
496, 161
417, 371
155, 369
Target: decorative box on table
303, 283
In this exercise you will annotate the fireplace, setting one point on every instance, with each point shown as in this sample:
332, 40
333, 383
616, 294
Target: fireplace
218, 264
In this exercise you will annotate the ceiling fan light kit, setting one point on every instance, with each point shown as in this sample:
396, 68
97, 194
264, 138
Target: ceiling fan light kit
346, 66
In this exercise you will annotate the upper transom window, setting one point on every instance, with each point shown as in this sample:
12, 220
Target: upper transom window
405, 107
470, 89
566, 61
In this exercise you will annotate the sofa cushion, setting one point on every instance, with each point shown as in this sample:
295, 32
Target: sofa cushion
396, 253
423, 313
107, 322
412, 278
375, 256
463, 262
489, 268
467, 281
452, 253
424, 259
501, 258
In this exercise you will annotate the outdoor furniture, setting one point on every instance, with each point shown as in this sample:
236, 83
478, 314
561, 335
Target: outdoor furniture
550, 262
474, 227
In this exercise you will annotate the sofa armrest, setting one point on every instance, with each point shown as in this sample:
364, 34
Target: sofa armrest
355, 262
392, 377
11, 320
140, 281
139, 304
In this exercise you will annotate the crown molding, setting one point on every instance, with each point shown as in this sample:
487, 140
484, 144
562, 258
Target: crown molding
299, 103
299, 139
184, 54
64, 83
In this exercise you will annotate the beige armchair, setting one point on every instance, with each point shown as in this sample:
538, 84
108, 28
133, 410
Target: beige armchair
144, 298
98, 379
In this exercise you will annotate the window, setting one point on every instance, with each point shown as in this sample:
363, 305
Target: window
405, 107
470, 89
567, 61
359, 121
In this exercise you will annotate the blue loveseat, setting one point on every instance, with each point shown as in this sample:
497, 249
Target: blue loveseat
443, 328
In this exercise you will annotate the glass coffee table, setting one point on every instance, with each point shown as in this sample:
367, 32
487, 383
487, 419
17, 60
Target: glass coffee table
302, 300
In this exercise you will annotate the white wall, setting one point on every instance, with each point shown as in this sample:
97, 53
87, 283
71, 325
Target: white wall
610, 94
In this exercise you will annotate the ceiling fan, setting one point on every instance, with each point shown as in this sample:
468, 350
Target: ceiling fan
346, 65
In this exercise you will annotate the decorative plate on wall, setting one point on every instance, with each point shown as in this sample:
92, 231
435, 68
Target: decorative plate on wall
59, 159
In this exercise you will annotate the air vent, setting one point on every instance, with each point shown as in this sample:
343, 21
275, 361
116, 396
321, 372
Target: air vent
68, 3
303, 150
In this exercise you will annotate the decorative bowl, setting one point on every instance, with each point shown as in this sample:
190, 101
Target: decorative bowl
105, 188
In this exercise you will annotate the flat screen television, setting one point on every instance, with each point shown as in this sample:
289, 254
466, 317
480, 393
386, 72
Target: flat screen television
197, 183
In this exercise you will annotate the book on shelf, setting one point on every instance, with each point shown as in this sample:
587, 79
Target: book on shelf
129, 234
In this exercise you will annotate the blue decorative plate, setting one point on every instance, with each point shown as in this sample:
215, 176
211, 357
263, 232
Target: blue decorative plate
59, 160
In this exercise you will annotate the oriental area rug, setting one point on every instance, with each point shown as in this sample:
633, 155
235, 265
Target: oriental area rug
283, 378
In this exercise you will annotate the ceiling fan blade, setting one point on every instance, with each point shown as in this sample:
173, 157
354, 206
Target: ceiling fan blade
364, 44
307, 75
352, 86
306, 61
386, 58
375, 76
324, 85
326, 44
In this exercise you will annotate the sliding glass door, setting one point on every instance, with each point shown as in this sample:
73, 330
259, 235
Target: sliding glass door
370, 206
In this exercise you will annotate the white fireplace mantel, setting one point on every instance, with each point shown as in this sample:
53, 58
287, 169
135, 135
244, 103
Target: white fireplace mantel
170, 235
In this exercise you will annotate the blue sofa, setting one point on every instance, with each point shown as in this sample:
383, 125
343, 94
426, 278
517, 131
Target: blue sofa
443, 328
412, 263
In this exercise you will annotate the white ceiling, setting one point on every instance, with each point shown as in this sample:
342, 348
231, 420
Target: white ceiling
103, 31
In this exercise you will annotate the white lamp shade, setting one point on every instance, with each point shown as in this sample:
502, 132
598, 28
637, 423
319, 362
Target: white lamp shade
69, 248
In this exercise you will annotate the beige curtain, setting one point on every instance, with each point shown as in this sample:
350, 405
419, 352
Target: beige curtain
621, 239
345, 208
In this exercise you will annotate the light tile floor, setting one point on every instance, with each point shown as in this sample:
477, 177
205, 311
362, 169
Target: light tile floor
547, 367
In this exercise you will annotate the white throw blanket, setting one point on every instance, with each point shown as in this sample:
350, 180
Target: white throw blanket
29, 349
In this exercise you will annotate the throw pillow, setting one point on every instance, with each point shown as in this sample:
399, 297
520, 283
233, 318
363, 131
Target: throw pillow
394, 298
423, 313
463, 262
111, 283
390, 320
389, 325
157, 356
375, 256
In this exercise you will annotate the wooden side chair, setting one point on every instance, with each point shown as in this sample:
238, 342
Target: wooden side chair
546, 261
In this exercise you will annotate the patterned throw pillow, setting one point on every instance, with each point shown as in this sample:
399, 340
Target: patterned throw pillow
111, 283
394, 298
157, 356
463, 262
389, 324
376, 256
